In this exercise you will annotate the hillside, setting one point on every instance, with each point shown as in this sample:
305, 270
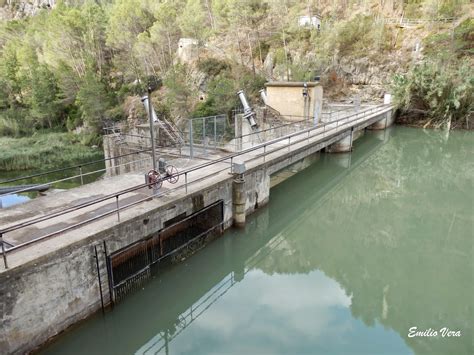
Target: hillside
79, 64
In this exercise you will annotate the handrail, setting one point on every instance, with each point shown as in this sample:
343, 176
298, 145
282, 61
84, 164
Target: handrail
71, 167
185, 173
275, 127
81, 174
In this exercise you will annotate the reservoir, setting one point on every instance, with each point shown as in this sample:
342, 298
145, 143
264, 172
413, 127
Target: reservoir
348, 256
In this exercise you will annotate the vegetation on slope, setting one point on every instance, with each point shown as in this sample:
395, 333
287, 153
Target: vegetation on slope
44, 151
440, 89
87, 64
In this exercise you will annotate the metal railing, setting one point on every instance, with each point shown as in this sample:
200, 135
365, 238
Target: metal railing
413, 22
296, 124
305, 135
273, 131
80, 169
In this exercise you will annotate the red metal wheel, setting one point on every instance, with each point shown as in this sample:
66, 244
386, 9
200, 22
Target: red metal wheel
154, 179
172, 174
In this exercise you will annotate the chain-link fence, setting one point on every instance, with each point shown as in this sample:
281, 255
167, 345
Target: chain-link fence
208, 133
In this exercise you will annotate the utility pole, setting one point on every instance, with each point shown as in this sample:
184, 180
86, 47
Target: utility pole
152, 128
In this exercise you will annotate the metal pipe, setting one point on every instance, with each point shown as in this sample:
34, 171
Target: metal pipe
263, 95
243, 100
248, 113
3, 252
118, 208
146, 100
151, 118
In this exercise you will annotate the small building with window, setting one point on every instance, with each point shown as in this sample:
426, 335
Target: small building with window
310, 21
295, 100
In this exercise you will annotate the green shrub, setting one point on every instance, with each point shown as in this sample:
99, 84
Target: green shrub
464, 37
16, 122
212, 66
439, 92
91, 139
46, 150
206, 108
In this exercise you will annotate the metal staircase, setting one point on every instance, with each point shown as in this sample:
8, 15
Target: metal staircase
171, 131
272, 116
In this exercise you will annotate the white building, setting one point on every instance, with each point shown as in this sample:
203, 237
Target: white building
310, 21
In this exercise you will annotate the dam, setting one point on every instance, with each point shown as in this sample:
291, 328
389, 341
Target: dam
68, 255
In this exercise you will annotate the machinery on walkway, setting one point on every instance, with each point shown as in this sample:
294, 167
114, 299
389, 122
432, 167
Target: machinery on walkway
154, 179
248, 112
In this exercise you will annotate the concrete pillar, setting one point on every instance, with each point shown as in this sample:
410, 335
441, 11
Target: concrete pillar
238, 201
318, 104
357, 134
341, 146
385, 121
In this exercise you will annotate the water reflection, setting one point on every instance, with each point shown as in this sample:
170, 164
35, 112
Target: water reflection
61, 177
345, 259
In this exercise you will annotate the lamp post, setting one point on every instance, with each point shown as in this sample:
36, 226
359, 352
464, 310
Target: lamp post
152, 130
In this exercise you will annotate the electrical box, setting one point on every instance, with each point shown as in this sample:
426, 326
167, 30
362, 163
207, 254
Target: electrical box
238, 167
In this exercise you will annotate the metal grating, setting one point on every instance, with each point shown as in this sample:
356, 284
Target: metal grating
130, 266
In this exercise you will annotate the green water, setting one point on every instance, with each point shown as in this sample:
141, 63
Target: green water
349, 254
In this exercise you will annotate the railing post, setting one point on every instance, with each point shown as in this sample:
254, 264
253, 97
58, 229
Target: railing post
3, 252
204, 143
80, 172
264, 152
289, 143
100, 280
191, 150
231, 165
186, 183
215, 133
118, 211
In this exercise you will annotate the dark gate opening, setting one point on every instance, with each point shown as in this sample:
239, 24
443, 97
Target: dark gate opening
130, 266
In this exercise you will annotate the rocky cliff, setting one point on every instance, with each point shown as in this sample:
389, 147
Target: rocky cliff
16, 9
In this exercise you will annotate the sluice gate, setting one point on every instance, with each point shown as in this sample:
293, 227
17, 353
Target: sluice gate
131, 266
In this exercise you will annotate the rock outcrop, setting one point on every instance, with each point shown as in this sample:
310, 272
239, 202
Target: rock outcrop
16, 9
